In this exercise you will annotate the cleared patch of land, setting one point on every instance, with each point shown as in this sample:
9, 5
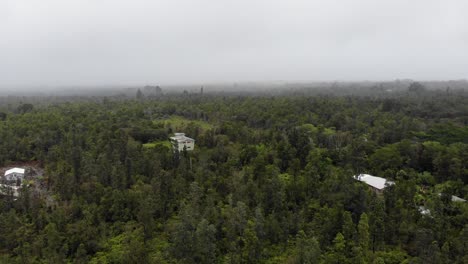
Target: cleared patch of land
153, 144
179, 123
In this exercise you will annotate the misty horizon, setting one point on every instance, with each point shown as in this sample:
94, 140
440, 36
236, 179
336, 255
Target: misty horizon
126, 43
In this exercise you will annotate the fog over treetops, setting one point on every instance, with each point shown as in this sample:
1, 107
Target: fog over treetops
51, 43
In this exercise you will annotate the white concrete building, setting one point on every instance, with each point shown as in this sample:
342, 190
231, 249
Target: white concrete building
378, 184
6, 189
14, 174
180, 142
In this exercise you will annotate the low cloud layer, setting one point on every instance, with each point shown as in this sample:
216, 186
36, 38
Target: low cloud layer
105, 42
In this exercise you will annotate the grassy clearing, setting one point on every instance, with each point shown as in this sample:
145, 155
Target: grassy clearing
178, 123
153, 144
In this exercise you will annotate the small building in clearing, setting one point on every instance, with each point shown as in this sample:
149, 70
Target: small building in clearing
14, 174
377, 184
180, 142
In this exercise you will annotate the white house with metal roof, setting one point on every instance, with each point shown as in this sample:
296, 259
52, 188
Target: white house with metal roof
378, 184
14, 174
180, 142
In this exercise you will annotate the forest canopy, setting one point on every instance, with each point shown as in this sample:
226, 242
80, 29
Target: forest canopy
270, 180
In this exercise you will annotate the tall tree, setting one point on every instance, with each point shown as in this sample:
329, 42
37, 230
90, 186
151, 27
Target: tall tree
363, 234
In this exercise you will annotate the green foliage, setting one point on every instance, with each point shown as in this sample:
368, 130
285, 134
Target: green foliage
363, 234
308, 249
128, 247
337, 253
269, 181
385, 158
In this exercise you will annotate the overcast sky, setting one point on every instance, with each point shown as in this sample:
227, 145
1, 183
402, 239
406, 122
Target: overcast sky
126, 42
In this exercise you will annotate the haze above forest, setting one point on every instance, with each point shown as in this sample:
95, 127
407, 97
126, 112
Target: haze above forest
357, 88
54, 43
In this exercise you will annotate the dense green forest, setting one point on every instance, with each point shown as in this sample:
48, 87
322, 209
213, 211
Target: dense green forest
270, 179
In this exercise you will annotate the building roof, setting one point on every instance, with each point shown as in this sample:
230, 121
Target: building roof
180, 137
14, 170
455, 198
374, 181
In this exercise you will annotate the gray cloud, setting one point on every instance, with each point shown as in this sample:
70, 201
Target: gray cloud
95, 42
